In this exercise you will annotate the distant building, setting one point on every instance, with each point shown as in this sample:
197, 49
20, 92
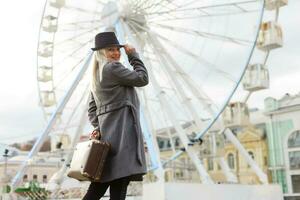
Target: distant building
283, 132
254, 141
41, 169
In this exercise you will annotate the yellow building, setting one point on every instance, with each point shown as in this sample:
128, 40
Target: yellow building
253, 140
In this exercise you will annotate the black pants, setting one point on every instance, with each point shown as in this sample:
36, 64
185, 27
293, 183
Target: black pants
117, 190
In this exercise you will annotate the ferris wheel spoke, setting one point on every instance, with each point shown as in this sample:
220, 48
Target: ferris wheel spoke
80, 22
63, 127
72, 29
205, 15
206, 34
73, 52
86, 11
155, 5
68, 73
197, 58
201, 12
152, 59
179, 95
81, 25
90, 31
201, 60
146, 5
176, 7
101, 2
206, 8
175, 96
74, 109
137, 3
188, 80
199, 94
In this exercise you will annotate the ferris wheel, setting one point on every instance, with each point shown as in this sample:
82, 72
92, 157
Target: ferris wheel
196, 53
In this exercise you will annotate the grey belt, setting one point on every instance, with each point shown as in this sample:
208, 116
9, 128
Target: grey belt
103, 109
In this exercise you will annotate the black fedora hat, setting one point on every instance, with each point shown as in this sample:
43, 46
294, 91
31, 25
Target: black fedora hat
106, 39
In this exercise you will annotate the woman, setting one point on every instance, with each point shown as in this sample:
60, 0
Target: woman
114, 113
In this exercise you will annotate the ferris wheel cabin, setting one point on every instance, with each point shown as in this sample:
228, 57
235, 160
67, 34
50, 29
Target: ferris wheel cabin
236, 114
256, 78
57, 3
48, 98
274, 4
270, 36
46, 49
50, 24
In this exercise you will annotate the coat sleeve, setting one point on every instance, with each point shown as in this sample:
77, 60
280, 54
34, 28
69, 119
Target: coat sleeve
92, 112
137, 77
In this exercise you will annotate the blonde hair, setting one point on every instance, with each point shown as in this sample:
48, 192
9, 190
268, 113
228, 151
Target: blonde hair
99, 61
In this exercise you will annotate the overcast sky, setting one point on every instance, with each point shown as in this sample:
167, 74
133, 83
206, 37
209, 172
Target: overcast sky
21, 117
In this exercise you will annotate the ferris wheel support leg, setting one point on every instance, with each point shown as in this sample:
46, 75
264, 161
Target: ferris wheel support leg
38, 144
226, 170
152, 149
201, 97
185, 141
159, 172
185, 100
229, 175
261, 175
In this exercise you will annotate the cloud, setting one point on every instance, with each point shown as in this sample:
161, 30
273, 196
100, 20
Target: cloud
20, 118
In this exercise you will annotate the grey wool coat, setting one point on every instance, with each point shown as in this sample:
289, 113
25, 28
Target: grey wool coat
114, 110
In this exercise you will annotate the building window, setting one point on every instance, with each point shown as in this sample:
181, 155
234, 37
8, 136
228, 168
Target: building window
210, 164
161, 144
44, 178
292, 198
294, 139
293, 154
294, 158
230, 160
177, 142
296, 183
25, 178
179, 174
265, 160
251, 154
169, 144
35, 177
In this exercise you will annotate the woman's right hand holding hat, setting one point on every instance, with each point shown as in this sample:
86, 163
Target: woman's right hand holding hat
129, 49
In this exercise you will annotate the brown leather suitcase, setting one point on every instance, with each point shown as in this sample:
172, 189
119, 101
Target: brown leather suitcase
88, 160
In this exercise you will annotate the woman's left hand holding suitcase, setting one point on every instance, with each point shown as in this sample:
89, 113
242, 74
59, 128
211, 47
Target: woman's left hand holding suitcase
95, 135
